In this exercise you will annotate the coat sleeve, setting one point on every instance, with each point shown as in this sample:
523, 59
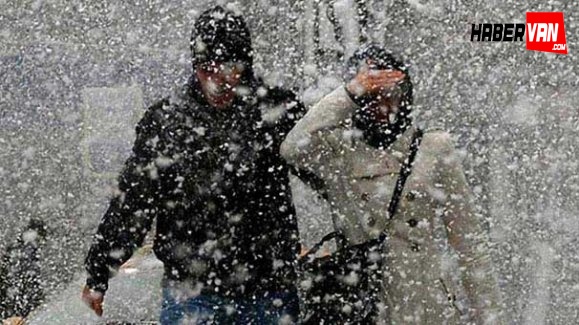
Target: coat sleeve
293, 110
316, 138
130, 212
467, 236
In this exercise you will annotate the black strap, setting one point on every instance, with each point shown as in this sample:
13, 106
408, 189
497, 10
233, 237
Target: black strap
326, 238
405, 171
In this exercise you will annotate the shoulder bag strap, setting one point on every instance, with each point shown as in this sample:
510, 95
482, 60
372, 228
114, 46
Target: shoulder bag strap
405, 171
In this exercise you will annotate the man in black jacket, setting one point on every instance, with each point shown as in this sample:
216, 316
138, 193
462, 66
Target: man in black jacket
206, 164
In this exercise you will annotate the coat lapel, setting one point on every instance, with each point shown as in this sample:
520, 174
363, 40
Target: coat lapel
369, 162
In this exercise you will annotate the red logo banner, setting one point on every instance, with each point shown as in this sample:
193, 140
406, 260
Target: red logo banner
546, 32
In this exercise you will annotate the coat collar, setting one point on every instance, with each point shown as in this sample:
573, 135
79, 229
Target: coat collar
399, 148
371, 162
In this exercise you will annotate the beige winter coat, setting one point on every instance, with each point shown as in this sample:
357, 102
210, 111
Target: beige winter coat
434, 222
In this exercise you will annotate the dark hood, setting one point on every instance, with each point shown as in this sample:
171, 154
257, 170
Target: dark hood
221, 35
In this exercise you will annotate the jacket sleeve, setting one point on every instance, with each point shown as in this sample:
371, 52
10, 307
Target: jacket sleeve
292, 110
315, 138
467, 237
131, 210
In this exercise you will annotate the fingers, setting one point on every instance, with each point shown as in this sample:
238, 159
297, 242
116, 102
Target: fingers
97, 306
376, 80
390, 77
380, 83
94, 300
85, 296
376, 86
372, 82
386, 73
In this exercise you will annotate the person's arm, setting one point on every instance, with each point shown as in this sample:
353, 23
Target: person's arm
314, 137
467, 236
287, 110
131, 211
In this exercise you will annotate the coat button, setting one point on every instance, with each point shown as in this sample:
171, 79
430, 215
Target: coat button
412, 223
411, 196
414, 247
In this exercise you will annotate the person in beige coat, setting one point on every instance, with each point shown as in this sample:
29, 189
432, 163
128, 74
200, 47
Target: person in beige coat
355, 139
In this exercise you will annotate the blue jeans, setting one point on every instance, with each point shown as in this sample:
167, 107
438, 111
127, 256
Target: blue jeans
216, 309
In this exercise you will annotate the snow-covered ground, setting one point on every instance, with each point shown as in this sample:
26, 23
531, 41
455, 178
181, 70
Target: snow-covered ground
134, 295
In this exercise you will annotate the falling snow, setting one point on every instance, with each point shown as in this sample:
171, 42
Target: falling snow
78, 76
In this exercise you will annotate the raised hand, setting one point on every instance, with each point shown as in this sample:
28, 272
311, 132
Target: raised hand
373, 82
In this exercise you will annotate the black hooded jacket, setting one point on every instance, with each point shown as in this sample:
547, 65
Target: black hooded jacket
218, 188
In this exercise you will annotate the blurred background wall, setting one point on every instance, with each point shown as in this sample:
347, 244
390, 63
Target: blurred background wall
76, 75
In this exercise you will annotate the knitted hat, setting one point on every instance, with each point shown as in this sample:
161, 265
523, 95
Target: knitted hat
220, 35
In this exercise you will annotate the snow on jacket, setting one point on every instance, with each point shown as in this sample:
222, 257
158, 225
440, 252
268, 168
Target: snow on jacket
219, 190
434, 221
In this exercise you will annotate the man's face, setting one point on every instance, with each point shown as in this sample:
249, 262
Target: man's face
218, 82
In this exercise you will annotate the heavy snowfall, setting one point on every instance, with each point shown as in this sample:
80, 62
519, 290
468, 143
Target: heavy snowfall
77, 76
